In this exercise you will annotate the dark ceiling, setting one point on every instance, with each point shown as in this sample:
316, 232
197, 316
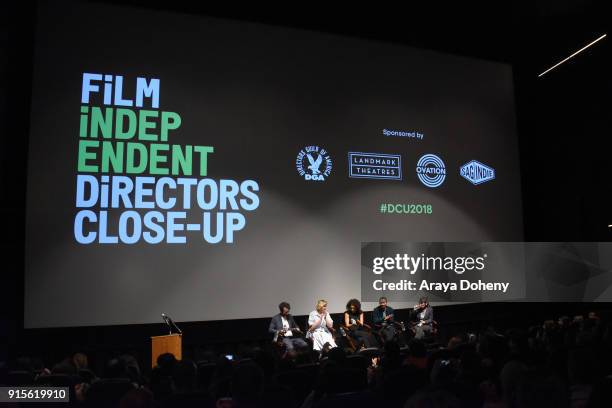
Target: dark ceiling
563, 118
503, 31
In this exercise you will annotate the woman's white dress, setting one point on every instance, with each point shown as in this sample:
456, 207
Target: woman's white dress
321, 333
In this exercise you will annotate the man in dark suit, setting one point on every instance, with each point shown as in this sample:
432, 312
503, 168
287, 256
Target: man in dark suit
383, 319
284, 329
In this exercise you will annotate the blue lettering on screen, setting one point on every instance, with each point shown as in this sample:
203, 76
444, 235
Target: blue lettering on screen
112, 93
130, 209
126, 210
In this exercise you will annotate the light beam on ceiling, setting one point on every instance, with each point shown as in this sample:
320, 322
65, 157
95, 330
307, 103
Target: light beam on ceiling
573, 55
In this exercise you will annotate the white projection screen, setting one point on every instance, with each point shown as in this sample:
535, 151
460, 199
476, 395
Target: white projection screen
155, 134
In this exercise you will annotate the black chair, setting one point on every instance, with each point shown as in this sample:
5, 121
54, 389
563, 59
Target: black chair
369, 353
206, 370
279, 346
341, 379
400, 330
343, 339
429, 336
348, 340
108, 391
87, 376
359, 360
60, 380
189, 400
349, 399
57, 380
299, 380
19, 378
311, 368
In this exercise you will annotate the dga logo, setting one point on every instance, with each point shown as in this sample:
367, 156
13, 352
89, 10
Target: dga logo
477, 173
430, 170
313, 163
375, 165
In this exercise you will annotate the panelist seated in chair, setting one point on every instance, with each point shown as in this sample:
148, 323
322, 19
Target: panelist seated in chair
355, 325
285, 331
321, 327
384, 320
424, 318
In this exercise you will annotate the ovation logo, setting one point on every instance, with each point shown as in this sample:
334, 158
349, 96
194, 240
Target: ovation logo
477, 173
431, 170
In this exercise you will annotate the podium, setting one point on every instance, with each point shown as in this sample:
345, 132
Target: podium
170, 343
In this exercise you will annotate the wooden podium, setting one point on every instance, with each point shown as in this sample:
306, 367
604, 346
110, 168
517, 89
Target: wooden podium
170, 343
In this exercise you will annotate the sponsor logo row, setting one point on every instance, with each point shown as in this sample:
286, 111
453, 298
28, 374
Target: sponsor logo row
314, 163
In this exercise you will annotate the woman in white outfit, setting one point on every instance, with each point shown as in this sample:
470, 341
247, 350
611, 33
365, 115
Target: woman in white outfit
320, 325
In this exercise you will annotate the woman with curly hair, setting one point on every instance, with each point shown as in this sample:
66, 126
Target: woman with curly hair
357, 329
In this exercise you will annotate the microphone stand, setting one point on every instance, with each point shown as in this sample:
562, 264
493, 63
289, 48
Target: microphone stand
170, 323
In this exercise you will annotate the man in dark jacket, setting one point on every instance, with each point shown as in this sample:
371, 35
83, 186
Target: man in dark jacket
283, 328
383, 319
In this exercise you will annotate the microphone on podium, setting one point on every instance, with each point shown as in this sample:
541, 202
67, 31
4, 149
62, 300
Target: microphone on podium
170, 323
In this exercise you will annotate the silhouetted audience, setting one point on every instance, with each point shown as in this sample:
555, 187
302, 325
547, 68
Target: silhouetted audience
562, 363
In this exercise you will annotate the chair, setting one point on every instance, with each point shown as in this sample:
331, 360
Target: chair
369, 353
299, 380
352, 343
279, 345
87, 376
57, 380
341, 379
195, 399
358, 361
428, 335
311, 368
355, 399
19, 378
345, 339
60, 380
206, 370
107, 392
400, 328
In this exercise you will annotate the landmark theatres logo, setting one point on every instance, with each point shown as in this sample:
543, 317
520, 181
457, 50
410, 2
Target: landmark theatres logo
375, 166
431, 170
313, 163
